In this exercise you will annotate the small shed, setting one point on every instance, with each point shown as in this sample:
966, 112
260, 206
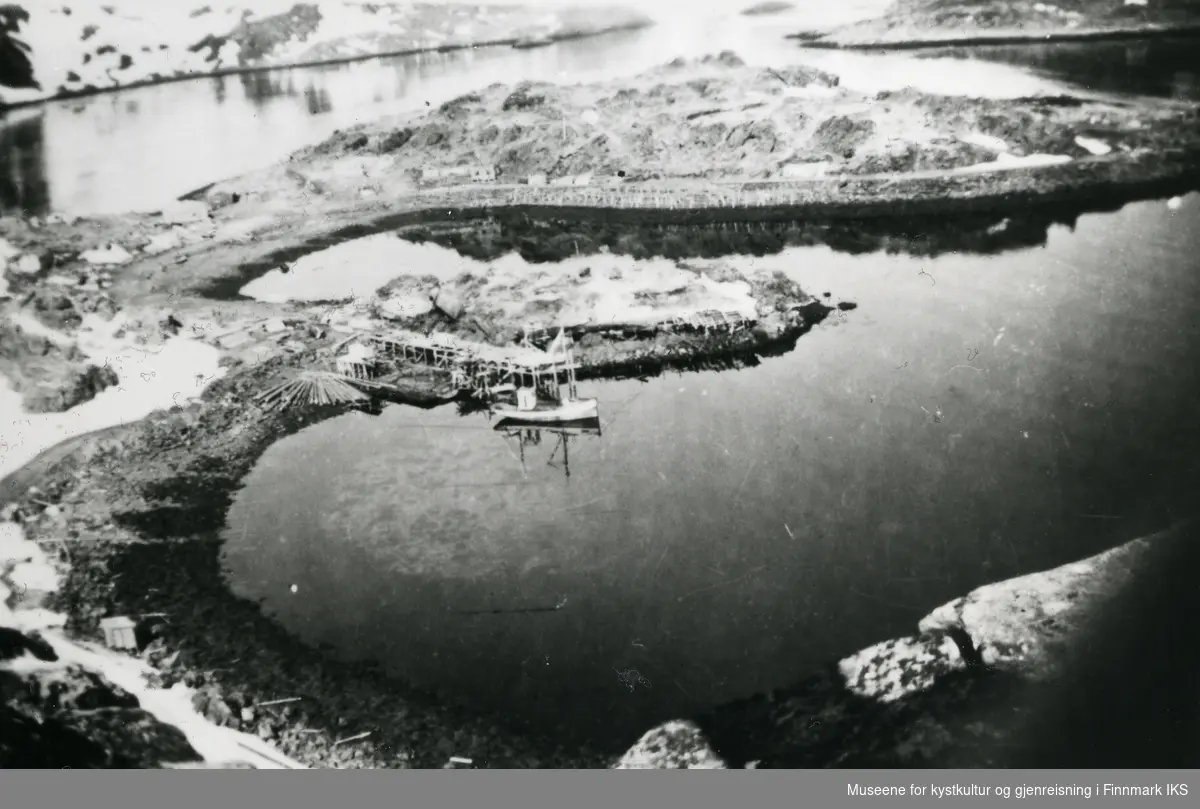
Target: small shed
119, 632
538, 178
583, 179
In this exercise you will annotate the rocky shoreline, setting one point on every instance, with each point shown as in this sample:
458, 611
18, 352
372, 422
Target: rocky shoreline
984, 683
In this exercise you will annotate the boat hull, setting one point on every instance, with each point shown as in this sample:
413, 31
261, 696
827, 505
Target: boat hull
577, 410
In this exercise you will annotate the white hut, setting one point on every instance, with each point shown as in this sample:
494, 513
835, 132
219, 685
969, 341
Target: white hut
537, 178
119, 632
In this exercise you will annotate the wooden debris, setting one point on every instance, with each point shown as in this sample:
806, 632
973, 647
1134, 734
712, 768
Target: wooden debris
319, 388
283, 701
352, 738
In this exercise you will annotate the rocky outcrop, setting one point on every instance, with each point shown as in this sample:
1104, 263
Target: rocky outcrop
57, 50
917, 23
51, 378
716, 119
57, 716
672, 746
1047, 669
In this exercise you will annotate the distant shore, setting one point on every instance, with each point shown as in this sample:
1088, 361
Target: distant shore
913, 24
1011, 36
507, 42
109, 48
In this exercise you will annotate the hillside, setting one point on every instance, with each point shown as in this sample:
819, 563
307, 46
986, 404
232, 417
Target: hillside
85, 46
918, 22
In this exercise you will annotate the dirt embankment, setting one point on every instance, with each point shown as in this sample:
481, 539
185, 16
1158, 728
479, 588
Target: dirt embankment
64, 50
921, 23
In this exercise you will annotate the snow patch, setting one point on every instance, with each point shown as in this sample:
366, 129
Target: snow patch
1004, 162
150, 379
1093, 145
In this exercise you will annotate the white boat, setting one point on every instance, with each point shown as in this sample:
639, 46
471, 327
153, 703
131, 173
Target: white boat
545, 393
545, 412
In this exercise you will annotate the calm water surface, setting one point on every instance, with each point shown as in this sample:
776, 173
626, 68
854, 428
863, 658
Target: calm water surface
976, 417
1165, 67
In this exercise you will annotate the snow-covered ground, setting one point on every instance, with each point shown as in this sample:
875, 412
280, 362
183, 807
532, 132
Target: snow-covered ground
114, 43
151, 378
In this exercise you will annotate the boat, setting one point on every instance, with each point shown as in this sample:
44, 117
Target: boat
544, 412
545, 393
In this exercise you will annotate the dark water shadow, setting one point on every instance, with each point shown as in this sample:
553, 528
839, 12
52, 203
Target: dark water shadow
540, 236
1164, 67
546, 239
23, 172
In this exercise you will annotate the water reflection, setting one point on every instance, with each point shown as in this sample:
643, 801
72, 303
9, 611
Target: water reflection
532, 437
1161, 67
549, 239
23, 164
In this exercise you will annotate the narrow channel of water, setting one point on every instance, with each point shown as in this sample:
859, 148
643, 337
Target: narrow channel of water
977, 417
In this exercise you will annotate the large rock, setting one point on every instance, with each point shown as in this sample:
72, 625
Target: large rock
448, 303
29, 264
671, 746
75, 386
1058, 668
1029, 623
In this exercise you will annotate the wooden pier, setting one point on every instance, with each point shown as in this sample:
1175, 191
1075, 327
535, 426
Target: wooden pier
477, 366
